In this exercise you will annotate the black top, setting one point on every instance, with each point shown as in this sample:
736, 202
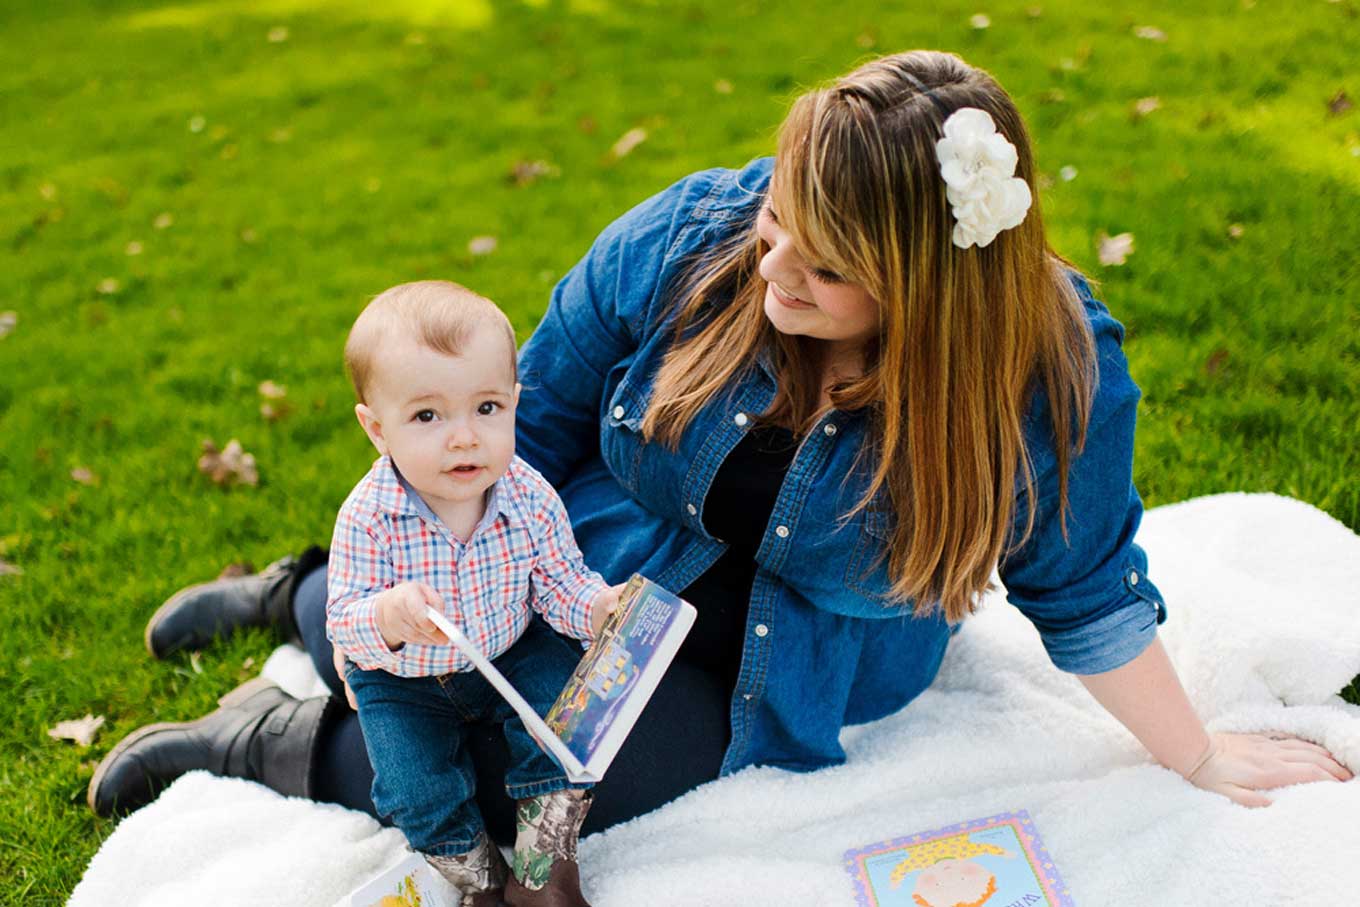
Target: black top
736, 510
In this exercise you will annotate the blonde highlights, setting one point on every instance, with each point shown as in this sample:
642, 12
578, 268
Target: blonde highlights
965, 336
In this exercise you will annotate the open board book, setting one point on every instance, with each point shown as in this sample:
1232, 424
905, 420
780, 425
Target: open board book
605, 695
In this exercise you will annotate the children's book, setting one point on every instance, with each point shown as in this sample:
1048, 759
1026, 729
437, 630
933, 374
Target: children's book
999, 861
410, 883
605, 695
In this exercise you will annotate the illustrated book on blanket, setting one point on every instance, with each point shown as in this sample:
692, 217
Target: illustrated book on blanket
998, 861
606, 693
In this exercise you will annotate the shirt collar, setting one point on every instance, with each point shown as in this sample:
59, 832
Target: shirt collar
393, 494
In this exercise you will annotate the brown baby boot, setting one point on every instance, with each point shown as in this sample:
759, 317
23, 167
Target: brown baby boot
544, 873
479, 875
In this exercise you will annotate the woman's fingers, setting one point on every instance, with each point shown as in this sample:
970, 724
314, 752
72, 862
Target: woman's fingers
1245, 796
1297, 750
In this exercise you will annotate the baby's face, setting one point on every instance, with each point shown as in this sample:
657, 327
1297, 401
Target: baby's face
448, 422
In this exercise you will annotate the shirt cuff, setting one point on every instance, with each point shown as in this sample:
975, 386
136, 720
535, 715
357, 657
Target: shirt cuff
576, 596
1113, 640
362, 641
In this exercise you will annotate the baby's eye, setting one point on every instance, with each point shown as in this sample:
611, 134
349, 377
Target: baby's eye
425, 415
487, 408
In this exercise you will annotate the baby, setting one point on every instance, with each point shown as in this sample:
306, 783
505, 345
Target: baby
449, 517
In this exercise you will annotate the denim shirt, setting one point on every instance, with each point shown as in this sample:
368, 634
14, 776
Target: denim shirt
825, 644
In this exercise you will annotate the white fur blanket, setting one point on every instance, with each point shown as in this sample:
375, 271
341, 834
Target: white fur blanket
1264, 627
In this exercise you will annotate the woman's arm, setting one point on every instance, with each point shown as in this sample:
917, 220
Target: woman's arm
1146, 696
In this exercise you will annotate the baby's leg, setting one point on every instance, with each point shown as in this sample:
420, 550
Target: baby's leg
549, 808
422, 773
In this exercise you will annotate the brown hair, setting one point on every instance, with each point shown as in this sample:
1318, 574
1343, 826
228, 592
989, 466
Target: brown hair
439, 314
965, 335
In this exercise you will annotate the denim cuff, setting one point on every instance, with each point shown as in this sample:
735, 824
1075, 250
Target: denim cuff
1113, 640
539, 788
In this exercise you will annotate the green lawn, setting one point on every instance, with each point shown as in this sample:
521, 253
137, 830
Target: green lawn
273, 164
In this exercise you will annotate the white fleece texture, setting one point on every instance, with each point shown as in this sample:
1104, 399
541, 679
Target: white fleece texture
1263, 594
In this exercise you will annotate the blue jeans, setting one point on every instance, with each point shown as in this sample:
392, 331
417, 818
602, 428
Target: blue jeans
417, 728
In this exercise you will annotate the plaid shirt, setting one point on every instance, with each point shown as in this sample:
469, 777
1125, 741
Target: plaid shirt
522, 555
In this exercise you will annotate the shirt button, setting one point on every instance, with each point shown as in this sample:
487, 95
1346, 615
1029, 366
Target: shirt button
692, 509
781, 531
762, 630
829, 428
618, 412
1133, 579
740, 419
746, 696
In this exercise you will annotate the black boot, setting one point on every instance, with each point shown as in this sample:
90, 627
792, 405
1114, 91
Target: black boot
260, 733
193, 616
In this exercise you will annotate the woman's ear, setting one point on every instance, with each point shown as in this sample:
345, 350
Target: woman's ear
372, 427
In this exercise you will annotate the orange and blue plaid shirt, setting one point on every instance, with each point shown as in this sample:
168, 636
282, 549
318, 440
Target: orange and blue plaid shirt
521, 558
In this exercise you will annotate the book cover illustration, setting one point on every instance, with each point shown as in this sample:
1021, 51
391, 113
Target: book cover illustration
593, 697
410, 883
999, 861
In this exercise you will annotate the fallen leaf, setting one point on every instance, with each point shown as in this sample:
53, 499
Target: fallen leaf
196, 123
80, 730
163, 220
1114, 250
248, 663
1235, 231
1339, 104
1067, 173
236, 569
133, 248
273, 412
526, 172
196, 662
8, 322
82, 475
229, 466
1214, 363
1150, 33
980, 21
8, 569
482, 245
272, 391
628, 141
722, 86
1144, 106
278, 34
108, 286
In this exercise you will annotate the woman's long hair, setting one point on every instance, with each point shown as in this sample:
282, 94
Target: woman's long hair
965, 336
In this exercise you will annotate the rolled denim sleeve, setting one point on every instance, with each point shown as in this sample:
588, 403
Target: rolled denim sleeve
598, 316
1088, 594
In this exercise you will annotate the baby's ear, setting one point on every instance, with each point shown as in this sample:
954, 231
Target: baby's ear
372, 427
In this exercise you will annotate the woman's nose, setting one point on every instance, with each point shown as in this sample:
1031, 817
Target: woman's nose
782, 265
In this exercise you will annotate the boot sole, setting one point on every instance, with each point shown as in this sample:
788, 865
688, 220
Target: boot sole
235, 697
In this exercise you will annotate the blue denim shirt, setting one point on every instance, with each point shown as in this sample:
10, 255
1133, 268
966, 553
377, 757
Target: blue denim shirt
825, 647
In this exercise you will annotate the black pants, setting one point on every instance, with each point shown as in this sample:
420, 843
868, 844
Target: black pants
677, 744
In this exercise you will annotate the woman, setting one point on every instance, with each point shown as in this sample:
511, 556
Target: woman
823, 397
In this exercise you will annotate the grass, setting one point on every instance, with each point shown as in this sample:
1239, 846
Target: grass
276, 162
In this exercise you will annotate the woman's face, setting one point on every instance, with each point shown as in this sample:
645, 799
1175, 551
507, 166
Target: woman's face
802, 298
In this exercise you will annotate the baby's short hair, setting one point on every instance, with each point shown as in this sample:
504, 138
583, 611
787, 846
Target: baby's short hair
438, 314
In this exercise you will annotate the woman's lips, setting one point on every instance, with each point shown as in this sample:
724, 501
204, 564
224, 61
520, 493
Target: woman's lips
789, 301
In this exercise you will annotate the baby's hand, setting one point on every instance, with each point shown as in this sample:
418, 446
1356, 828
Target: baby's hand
603, 606
402, 618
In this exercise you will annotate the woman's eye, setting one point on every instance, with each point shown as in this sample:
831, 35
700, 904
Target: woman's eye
425, 415
488, 408
826, 276
769, 211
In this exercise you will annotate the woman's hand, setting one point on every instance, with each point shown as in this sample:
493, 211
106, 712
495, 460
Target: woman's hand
339, 658
603, 606
1238, 766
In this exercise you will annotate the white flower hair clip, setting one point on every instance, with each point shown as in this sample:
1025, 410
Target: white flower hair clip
978, 166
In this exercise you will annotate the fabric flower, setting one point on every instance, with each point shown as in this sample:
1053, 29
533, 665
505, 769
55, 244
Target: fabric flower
978, 166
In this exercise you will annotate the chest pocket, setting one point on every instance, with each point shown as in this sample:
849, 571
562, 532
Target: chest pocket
866, 573
621, 434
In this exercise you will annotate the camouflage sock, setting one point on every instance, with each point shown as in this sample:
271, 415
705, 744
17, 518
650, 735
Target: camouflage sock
547, 829
480, 869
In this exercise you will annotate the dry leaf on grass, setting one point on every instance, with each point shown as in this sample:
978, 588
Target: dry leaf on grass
83, 475
1114, 250
1235, 231
8, 322
1150, 33
272, 391
163, 221
1339, 103
229, 466
526, 172
278, 34
482, 245
628, 141
81, 731
1144, 106
980, 21
8, 569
